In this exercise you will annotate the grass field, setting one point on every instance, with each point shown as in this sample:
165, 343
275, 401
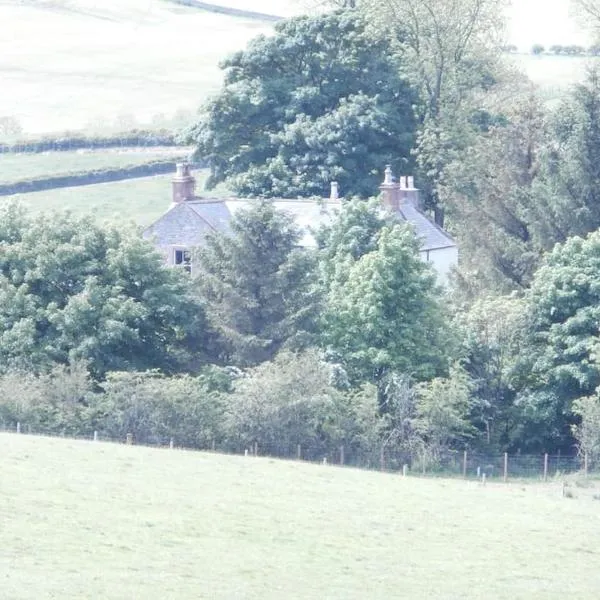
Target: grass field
139, 200
83, 63
105, 65
93, 520
19, 167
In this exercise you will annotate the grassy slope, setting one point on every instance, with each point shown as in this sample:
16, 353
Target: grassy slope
140, 201
84, 520
19, 167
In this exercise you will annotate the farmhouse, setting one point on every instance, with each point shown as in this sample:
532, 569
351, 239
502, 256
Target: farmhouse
190, 218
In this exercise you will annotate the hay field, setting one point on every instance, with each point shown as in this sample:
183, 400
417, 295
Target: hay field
95, 520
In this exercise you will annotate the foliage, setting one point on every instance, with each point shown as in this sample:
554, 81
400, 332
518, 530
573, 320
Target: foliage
450, 50
286, 402
587, 433
293, 115
54, 402
490, 334
155, 409
442, 412
489, 196
72, 291
557, 360
255, 285
567, 200
383, 313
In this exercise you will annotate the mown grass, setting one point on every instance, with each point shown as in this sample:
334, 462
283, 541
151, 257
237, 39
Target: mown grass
21, 167
140, 200
93, 520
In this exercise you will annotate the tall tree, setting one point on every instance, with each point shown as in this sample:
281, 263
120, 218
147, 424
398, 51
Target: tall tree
73, 291
567, 198
255, 284
450, 51
320, 100
489, 195
558, 359
384, 314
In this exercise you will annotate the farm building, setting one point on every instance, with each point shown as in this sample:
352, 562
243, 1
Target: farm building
190, 218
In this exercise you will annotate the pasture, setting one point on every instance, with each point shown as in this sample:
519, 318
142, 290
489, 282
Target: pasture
21, 167
113, 65
84, 64
139, 200
97, 520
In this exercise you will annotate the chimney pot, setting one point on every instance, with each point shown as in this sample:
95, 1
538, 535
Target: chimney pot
334, 195
184, 184
410, 182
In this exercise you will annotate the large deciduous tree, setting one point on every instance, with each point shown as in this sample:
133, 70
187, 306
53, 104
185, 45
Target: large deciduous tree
320, 100
558, 358
450, 50
255, 284
382, 311
73, 291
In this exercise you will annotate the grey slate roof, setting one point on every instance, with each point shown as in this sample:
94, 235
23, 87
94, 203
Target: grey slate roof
187, 223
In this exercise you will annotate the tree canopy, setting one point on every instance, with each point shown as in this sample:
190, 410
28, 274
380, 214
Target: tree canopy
255, 285
73, 291
319, 101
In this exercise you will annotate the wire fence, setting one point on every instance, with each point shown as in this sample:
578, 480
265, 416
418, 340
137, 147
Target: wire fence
448, 463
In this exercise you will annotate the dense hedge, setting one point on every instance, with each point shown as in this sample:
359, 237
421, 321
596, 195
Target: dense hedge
157, 167
136, 137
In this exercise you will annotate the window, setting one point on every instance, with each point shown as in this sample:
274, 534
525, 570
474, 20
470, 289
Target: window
182, 258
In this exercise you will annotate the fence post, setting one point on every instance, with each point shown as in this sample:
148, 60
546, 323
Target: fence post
505, 466
213, 445
585, 464
299, 452
382, 458
18, 427
546, 467
404, 470
255, 448
465, 463
95, 436
342, 455
129, 439
171, 444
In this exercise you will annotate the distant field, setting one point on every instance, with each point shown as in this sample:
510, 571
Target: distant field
113, 64
19, 167
94, 520
134, 200
82, 63
554, 74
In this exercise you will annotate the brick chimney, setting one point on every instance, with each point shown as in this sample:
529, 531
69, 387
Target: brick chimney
184, 184
390, 191
396, 193
408, 193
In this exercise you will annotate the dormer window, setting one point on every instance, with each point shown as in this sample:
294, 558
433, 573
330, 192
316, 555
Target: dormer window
182, 257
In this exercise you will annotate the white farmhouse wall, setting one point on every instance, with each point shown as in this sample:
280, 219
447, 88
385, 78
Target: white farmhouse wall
442, 260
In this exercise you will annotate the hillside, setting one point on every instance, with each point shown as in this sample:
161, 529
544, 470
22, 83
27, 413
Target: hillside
94, 520
110, 65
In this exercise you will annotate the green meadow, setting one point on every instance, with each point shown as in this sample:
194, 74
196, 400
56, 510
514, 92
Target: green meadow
98, 520
24, 166
139, 201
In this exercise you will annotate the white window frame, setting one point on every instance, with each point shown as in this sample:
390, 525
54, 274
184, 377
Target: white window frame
187, 265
